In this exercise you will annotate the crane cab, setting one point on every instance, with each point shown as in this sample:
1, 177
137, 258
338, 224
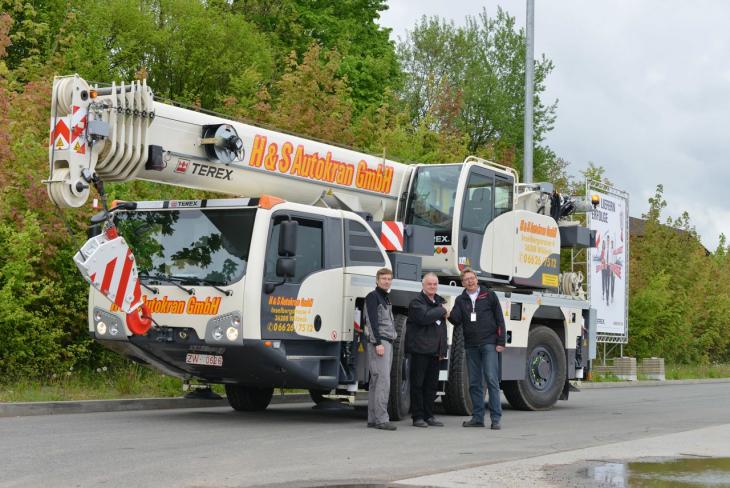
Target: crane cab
472, 210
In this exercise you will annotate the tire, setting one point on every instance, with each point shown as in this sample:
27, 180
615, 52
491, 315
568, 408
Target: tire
399, 403
456, 399
317, 396
545, 373
248, 399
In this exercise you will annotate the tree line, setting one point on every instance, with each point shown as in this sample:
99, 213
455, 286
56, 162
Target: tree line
318, 68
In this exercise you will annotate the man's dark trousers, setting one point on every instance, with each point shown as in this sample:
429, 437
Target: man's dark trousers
483, 364
424, 378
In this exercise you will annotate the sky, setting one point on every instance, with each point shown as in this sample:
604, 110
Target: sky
643, 89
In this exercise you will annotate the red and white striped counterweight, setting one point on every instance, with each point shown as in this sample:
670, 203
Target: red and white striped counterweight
107, 263
391, 235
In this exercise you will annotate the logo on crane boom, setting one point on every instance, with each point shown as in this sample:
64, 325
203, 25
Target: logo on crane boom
313, 166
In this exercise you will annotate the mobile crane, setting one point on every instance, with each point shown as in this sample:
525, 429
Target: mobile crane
265, 290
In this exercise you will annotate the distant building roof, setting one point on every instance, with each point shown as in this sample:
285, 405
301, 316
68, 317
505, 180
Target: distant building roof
637, 229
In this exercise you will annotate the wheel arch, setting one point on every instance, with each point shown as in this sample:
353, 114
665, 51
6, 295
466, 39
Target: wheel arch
551, 317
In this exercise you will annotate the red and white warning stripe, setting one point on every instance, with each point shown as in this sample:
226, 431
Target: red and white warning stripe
391, 235
108, 264
60, 134
78, 125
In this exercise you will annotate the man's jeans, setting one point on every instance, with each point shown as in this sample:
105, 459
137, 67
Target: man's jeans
483, 363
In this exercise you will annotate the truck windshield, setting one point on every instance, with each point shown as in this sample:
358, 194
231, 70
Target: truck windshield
195, 246
432, 196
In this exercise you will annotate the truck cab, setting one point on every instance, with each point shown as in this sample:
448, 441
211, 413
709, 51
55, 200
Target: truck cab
252, 293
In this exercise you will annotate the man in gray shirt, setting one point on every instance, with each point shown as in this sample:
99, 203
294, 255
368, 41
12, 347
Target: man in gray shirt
380, 333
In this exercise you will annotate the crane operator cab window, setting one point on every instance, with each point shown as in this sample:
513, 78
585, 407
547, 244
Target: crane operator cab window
432, 197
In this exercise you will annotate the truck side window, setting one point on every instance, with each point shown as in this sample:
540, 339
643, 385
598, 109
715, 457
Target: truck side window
478, 200
502, 196
361, 248
309, 250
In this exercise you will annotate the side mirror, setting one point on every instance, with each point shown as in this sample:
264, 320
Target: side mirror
286, 267
288, 239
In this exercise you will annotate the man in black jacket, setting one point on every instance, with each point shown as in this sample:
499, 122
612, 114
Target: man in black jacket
478, 312
426, 344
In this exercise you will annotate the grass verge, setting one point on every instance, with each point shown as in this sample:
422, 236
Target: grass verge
693, 371
129, 381
677, 372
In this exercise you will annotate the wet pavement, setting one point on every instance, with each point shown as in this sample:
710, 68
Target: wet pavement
690, 459
669, 473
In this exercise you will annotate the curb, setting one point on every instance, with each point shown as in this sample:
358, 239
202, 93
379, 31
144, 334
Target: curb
92, 406
633, 384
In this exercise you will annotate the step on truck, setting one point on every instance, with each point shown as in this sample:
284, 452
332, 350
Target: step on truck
265, 289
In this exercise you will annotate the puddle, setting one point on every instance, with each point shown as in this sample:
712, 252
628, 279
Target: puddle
675, 473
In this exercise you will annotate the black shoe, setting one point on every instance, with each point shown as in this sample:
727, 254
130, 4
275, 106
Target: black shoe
496, 426
419, 423
472, 423
385, 426
433, 422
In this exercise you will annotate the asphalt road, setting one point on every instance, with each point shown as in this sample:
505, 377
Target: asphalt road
294, 445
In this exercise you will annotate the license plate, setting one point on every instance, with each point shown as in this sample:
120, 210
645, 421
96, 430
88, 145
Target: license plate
204, 359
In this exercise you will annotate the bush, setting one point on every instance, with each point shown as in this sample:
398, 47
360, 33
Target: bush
31, 344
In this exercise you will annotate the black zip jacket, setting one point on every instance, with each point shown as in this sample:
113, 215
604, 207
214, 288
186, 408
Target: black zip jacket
489, 327
423, 334
377, 307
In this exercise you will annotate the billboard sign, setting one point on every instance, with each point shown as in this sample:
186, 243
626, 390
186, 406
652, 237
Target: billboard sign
608, 263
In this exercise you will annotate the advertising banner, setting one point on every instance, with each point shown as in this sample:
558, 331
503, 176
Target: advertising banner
608, 263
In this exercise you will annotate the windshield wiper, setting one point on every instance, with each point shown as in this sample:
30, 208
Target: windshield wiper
154, 290
213, 284
171, 279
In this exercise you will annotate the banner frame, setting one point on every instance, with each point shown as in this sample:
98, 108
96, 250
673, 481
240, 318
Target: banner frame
604, 337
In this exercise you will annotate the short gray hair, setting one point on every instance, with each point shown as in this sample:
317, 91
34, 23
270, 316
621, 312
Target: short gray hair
430, 273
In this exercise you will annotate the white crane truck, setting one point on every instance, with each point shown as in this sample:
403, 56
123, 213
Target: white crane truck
265, 290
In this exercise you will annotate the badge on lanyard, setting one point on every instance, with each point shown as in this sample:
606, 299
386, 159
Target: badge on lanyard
473, 317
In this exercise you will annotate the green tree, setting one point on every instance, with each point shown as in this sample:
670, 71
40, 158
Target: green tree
189, 51
367, 56
675, 309
312, 100
480, 67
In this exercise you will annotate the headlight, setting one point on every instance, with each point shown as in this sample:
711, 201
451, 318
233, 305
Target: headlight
226, 328
108, 326
232, 333
218, 333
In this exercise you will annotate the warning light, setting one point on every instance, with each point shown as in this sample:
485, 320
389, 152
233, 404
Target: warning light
268, 201
444, 250
268, 343
93, 94
438, 250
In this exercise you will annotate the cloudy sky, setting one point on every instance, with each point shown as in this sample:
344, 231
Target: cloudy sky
643, 90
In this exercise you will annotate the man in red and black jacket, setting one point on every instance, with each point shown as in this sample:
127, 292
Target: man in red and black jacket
478, 312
